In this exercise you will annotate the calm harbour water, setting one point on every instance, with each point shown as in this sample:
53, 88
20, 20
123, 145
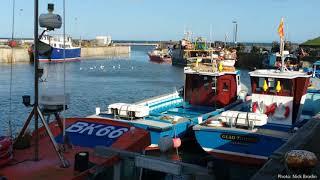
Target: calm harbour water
92, 83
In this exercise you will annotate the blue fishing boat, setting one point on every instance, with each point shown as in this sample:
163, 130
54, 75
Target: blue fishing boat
252, 131
316, 69
72, 53
208, 91
273, 61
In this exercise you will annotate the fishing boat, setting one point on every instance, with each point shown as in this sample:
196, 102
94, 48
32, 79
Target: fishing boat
209, 89
187, 52
72, 53
273, 61
252, 131
66, 148
84, 136
315, 69
159, 55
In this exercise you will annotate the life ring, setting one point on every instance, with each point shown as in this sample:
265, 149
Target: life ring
277, 111
270, 109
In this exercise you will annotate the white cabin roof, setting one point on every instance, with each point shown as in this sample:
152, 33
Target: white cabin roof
272, 73
189, 70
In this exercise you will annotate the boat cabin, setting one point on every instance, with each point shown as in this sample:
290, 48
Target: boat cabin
274, 61
57, 41
211, 84
279, 95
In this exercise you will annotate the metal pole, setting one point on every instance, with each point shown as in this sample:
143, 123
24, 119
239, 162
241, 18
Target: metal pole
236, 35
281, 52
36, 59
11, 71
64, 72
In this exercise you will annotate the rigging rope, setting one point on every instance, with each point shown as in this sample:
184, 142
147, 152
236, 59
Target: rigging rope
64, 70
11, 72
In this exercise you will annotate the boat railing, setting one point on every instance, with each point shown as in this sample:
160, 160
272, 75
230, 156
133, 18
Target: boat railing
212, 67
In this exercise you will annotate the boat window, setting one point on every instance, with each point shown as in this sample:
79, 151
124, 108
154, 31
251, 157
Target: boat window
225, 87
206, 85
286, 86
260, 85
238, 79
271, 85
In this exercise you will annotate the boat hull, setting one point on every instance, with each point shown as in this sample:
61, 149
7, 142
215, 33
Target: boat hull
236, 146
85, 134
57, 55
156, 132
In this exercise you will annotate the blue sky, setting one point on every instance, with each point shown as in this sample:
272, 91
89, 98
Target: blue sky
166, 19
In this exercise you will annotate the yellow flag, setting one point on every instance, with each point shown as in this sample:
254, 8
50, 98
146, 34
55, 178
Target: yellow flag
281, 29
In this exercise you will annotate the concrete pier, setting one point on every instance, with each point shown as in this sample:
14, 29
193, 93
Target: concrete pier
20, 55
104, 51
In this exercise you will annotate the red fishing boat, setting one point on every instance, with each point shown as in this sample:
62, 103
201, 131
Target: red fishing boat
84, 134
159, 56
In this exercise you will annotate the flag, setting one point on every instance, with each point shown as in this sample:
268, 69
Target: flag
280, 29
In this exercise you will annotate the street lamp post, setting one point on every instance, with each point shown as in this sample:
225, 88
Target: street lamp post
235, 32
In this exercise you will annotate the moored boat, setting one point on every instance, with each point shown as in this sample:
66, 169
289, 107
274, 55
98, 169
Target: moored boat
160, 56
252, 131
209, 89
84, 135
256, 129
273, 61
187, 52
72, 53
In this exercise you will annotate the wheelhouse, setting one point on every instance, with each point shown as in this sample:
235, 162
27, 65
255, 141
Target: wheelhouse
280, 95
207, 86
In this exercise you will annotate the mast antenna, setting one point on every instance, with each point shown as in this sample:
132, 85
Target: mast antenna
49, 21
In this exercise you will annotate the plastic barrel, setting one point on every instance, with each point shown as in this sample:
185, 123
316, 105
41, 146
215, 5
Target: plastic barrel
81, 161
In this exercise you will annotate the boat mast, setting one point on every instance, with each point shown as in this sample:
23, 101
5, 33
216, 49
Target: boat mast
36, 80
